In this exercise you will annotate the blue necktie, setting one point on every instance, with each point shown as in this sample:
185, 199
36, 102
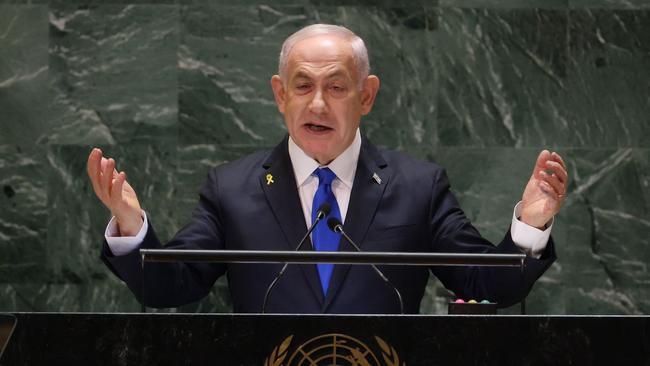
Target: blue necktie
322, 237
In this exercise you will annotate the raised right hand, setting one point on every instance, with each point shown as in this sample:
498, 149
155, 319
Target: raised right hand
115, 193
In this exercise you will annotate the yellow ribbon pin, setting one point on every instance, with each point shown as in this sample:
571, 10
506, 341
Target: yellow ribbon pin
269, 179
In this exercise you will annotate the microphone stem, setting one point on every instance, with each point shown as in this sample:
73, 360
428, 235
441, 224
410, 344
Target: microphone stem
284, 268
339, 229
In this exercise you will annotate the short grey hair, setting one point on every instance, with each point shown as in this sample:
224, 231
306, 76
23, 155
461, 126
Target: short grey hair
359, 51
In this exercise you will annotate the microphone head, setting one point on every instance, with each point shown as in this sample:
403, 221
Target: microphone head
333, 223
325, 209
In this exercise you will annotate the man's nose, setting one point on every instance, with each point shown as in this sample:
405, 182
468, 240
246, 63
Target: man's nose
317, 104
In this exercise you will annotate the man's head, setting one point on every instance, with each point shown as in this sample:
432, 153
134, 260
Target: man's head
324, 88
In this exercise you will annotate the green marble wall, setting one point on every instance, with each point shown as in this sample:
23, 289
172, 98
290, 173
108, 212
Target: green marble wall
171, 88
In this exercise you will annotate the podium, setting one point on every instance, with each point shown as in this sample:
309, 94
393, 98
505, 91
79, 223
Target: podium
73, 339
261, 340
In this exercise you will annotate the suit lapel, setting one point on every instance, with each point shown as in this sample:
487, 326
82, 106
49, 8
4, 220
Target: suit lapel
364, 201
279, 185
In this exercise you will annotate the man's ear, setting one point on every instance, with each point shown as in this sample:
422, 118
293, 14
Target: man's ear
278, 92
368, 93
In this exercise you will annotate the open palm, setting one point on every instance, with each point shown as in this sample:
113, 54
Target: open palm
545, 191
115, 192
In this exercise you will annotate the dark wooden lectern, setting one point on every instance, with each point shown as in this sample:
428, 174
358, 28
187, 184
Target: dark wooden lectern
289, 340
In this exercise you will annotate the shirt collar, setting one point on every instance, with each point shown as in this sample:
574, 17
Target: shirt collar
344, 166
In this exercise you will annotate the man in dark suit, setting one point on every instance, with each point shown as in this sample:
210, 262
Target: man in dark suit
386, 200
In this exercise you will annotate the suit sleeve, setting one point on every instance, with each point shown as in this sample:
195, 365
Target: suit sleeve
452, 232
175, 284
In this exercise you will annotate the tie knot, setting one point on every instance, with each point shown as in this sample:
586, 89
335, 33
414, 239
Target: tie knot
325, 176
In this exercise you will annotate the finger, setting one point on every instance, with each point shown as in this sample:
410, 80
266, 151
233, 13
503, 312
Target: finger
541, 159
107, 178
554, 182
546, 188
116, 189
556, 157
103, 164
557, 170
93, 168
91, 165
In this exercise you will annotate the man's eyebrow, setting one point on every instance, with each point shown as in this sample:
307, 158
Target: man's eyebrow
337, 73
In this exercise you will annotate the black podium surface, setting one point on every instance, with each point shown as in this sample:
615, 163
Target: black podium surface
73, 339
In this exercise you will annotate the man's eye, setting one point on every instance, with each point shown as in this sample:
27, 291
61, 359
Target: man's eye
303, 86
337, 88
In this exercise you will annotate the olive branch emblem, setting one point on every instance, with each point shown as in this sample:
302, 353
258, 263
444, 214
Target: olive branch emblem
388, 352
279, 353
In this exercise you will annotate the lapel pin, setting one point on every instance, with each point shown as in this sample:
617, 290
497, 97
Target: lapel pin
376, 178
269, 179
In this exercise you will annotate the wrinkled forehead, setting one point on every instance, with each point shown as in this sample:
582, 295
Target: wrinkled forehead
322, 51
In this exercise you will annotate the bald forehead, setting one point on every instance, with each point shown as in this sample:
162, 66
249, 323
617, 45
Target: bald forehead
322, 50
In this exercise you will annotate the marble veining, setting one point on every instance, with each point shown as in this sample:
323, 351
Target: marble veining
172, 88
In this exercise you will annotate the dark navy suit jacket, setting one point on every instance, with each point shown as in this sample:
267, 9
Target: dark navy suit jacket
412, 210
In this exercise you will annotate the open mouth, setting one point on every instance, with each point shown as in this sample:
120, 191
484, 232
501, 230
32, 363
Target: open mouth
314, 127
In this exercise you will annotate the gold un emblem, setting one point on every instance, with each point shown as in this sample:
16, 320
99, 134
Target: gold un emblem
332, 349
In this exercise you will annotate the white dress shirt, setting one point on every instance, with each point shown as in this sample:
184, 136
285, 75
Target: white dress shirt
528, 238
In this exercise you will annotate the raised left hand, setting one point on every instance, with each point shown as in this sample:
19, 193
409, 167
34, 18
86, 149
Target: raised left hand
545, 191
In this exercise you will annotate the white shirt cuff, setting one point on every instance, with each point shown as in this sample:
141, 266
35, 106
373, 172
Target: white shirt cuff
121, 245
528, 238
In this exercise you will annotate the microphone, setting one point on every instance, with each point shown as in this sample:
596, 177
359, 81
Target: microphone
335, 225
323, 210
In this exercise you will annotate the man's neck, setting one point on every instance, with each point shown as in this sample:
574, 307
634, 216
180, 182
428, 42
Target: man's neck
343, 165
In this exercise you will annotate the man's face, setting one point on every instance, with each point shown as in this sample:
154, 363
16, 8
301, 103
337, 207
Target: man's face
321, 100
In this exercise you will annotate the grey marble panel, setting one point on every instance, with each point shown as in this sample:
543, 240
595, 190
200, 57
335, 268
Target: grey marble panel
544, 78
382, 3
107, 295
113, 71
488, 183
223, 97
609, 4
402, 55
228, 55
76, 232
609, 239
86, 3
607, 100
38, 297
505, 4
642, 163
23, 212
63, 273
500, 72
23, 202
24, 2
600, 235
71, 276
23, 74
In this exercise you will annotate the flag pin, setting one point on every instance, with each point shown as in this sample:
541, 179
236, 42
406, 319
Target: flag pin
376, 178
